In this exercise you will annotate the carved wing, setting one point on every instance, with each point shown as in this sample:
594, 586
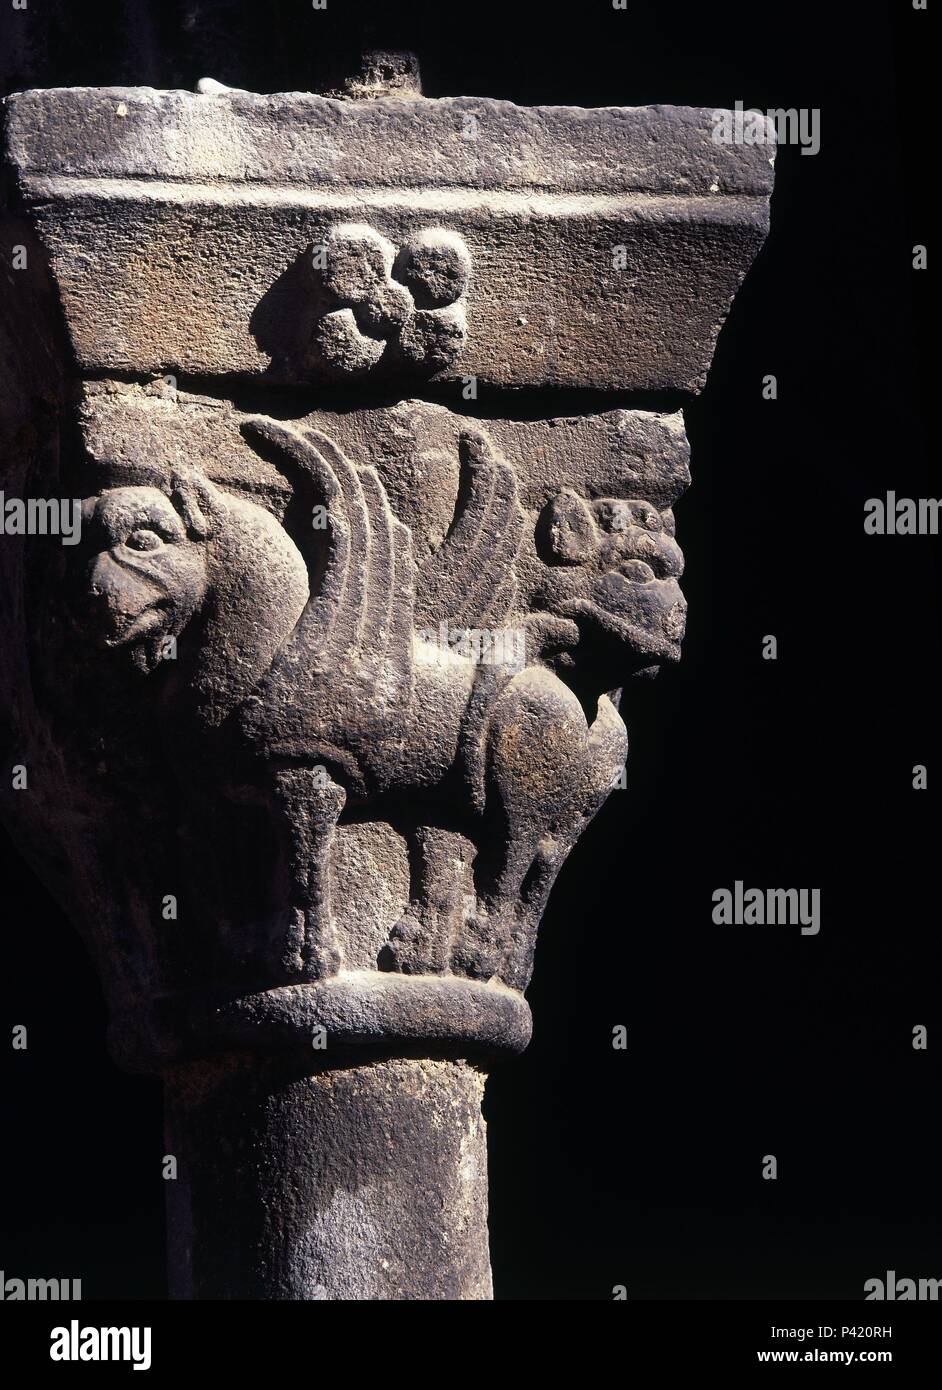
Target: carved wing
361, 614
470, 581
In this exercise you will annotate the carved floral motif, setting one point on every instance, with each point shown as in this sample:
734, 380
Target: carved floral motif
406, 302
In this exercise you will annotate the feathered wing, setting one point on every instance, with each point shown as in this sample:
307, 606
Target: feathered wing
360, 618
470, 581
368, 598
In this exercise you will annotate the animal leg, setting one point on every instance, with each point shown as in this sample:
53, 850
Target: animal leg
548, 773
421, 943
311, 803
605, 750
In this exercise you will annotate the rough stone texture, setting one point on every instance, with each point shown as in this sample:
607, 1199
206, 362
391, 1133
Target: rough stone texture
389, 1202
180, 228
363, 693
317, 709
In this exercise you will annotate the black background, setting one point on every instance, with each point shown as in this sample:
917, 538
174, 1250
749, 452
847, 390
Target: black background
643, 1167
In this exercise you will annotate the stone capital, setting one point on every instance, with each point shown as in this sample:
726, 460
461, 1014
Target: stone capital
322, 685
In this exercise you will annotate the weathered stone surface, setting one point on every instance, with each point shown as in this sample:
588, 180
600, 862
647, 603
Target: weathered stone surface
460, 535
390, 1202
304, 139
600, 248
316, 710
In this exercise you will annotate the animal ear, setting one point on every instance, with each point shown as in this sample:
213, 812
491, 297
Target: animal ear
200, 503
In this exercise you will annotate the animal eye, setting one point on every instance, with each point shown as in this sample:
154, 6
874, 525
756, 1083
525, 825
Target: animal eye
142, 539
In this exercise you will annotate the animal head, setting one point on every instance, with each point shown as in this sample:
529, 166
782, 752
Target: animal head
149, 574
612, 567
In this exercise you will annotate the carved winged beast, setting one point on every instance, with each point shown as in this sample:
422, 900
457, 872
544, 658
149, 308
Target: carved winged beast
327, 675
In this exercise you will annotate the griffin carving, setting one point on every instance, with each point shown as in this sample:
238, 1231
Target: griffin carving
336, 674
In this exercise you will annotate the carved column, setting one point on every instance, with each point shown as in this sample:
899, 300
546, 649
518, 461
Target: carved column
316, 706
